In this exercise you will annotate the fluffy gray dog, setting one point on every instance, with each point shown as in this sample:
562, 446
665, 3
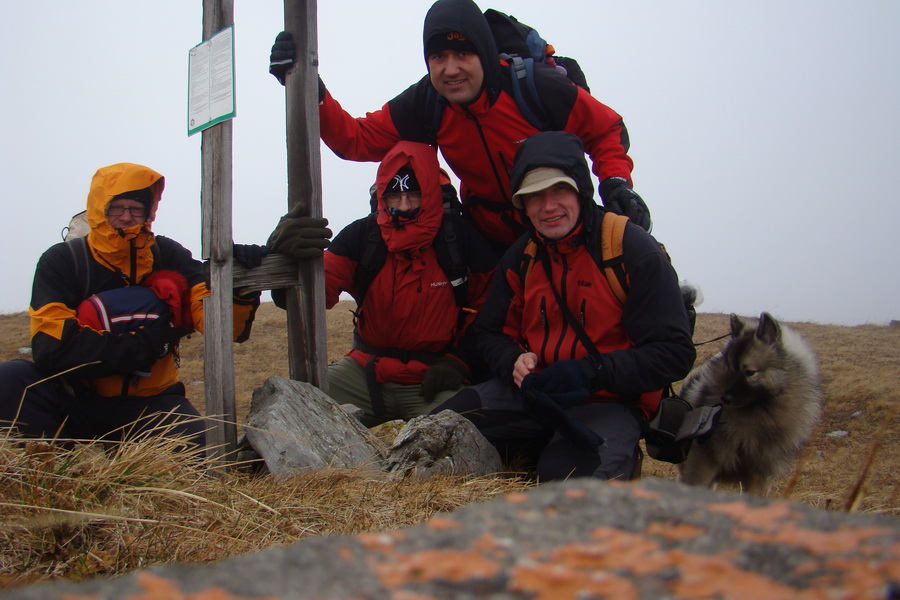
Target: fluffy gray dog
767, 379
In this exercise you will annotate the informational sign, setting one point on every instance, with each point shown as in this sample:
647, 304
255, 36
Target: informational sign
211, 81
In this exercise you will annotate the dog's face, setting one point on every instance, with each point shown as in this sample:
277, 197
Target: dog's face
754, 359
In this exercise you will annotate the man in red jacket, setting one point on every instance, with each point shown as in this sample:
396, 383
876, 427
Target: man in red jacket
465, 105
409, 352
577, 371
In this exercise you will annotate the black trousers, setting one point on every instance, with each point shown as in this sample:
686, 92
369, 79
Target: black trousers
49, 410
496, 409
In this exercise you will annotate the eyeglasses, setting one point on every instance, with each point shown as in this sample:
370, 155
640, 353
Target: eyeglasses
117, 211
394, 198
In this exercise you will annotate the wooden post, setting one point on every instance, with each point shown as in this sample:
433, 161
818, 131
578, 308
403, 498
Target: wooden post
305, 304
218, 312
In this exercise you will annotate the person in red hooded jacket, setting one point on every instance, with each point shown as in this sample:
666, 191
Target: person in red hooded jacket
107, 311
410, 351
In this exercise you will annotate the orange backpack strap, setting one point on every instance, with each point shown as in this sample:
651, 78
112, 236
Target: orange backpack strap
529, 255
612, 230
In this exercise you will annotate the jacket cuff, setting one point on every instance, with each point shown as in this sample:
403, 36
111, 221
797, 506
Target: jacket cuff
598, 377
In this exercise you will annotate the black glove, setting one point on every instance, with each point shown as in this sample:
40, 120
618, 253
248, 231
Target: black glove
567, 382
137, 351
619, 198
284, 52
159, 337
446, 374
249, 255
300, 237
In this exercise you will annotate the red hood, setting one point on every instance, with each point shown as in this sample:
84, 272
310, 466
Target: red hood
422, 159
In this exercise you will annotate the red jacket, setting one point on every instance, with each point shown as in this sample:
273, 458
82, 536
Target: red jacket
479, 141
409, 305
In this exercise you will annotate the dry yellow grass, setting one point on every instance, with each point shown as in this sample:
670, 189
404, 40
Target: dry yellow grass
78, 513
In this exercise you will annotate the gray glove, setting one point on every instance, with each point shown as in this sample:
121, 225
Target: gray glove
300, 237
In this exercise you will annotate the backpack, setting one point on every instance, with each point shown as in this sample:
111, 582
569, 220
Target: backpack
669, 433
522, 46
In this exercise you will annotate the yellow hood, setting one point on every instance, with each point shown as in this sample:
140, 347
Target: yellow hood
112, 247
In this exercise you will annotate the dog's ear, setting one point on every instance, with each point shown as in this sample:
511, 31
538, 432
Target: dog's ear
736, 325
768, 329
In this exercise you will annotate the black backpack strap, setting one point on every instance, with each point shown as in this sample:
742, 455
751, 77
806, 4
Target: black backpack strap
374, 253
451, 260
81, 258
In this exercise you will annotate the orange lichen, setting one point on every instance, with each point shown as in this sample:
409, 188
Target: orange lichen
712, 577
160, 588
554, 581
376, 541
406, 595
759, 517
438, 523
576, 494
677, 532
517, 498
430, 565
842, 541
642, 494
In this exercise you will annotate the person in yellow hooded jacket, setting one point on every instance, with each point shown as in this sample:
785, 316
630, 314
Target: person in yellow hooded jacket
107, 311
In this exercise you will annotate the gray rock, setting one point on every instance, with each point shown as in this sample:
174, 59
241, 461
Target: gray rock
442, 444
295, 426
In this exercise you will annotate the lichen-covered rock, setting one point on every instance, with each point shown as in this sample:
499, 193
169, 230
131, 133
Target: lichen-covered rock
648, 539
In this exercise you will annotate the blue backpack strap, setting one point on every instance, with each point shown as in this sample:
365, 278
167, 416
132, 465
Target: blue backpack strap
522, 84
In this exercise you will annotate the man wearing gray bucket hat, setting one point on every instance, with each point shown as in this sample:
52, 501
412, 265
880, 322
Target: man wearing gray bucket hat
579, 366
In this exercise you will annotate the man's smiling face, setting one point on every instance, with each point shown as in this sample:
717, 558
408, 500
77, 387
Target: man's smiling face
456, 75
553, 211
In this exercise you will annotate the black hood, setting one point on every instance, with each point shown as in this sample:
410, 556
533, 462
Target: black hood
465, 17
556, 149
560, 150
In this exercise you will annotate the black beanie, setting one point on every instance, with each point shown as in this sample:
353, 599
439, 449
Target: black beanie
403, 181
450, 40
144, 196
